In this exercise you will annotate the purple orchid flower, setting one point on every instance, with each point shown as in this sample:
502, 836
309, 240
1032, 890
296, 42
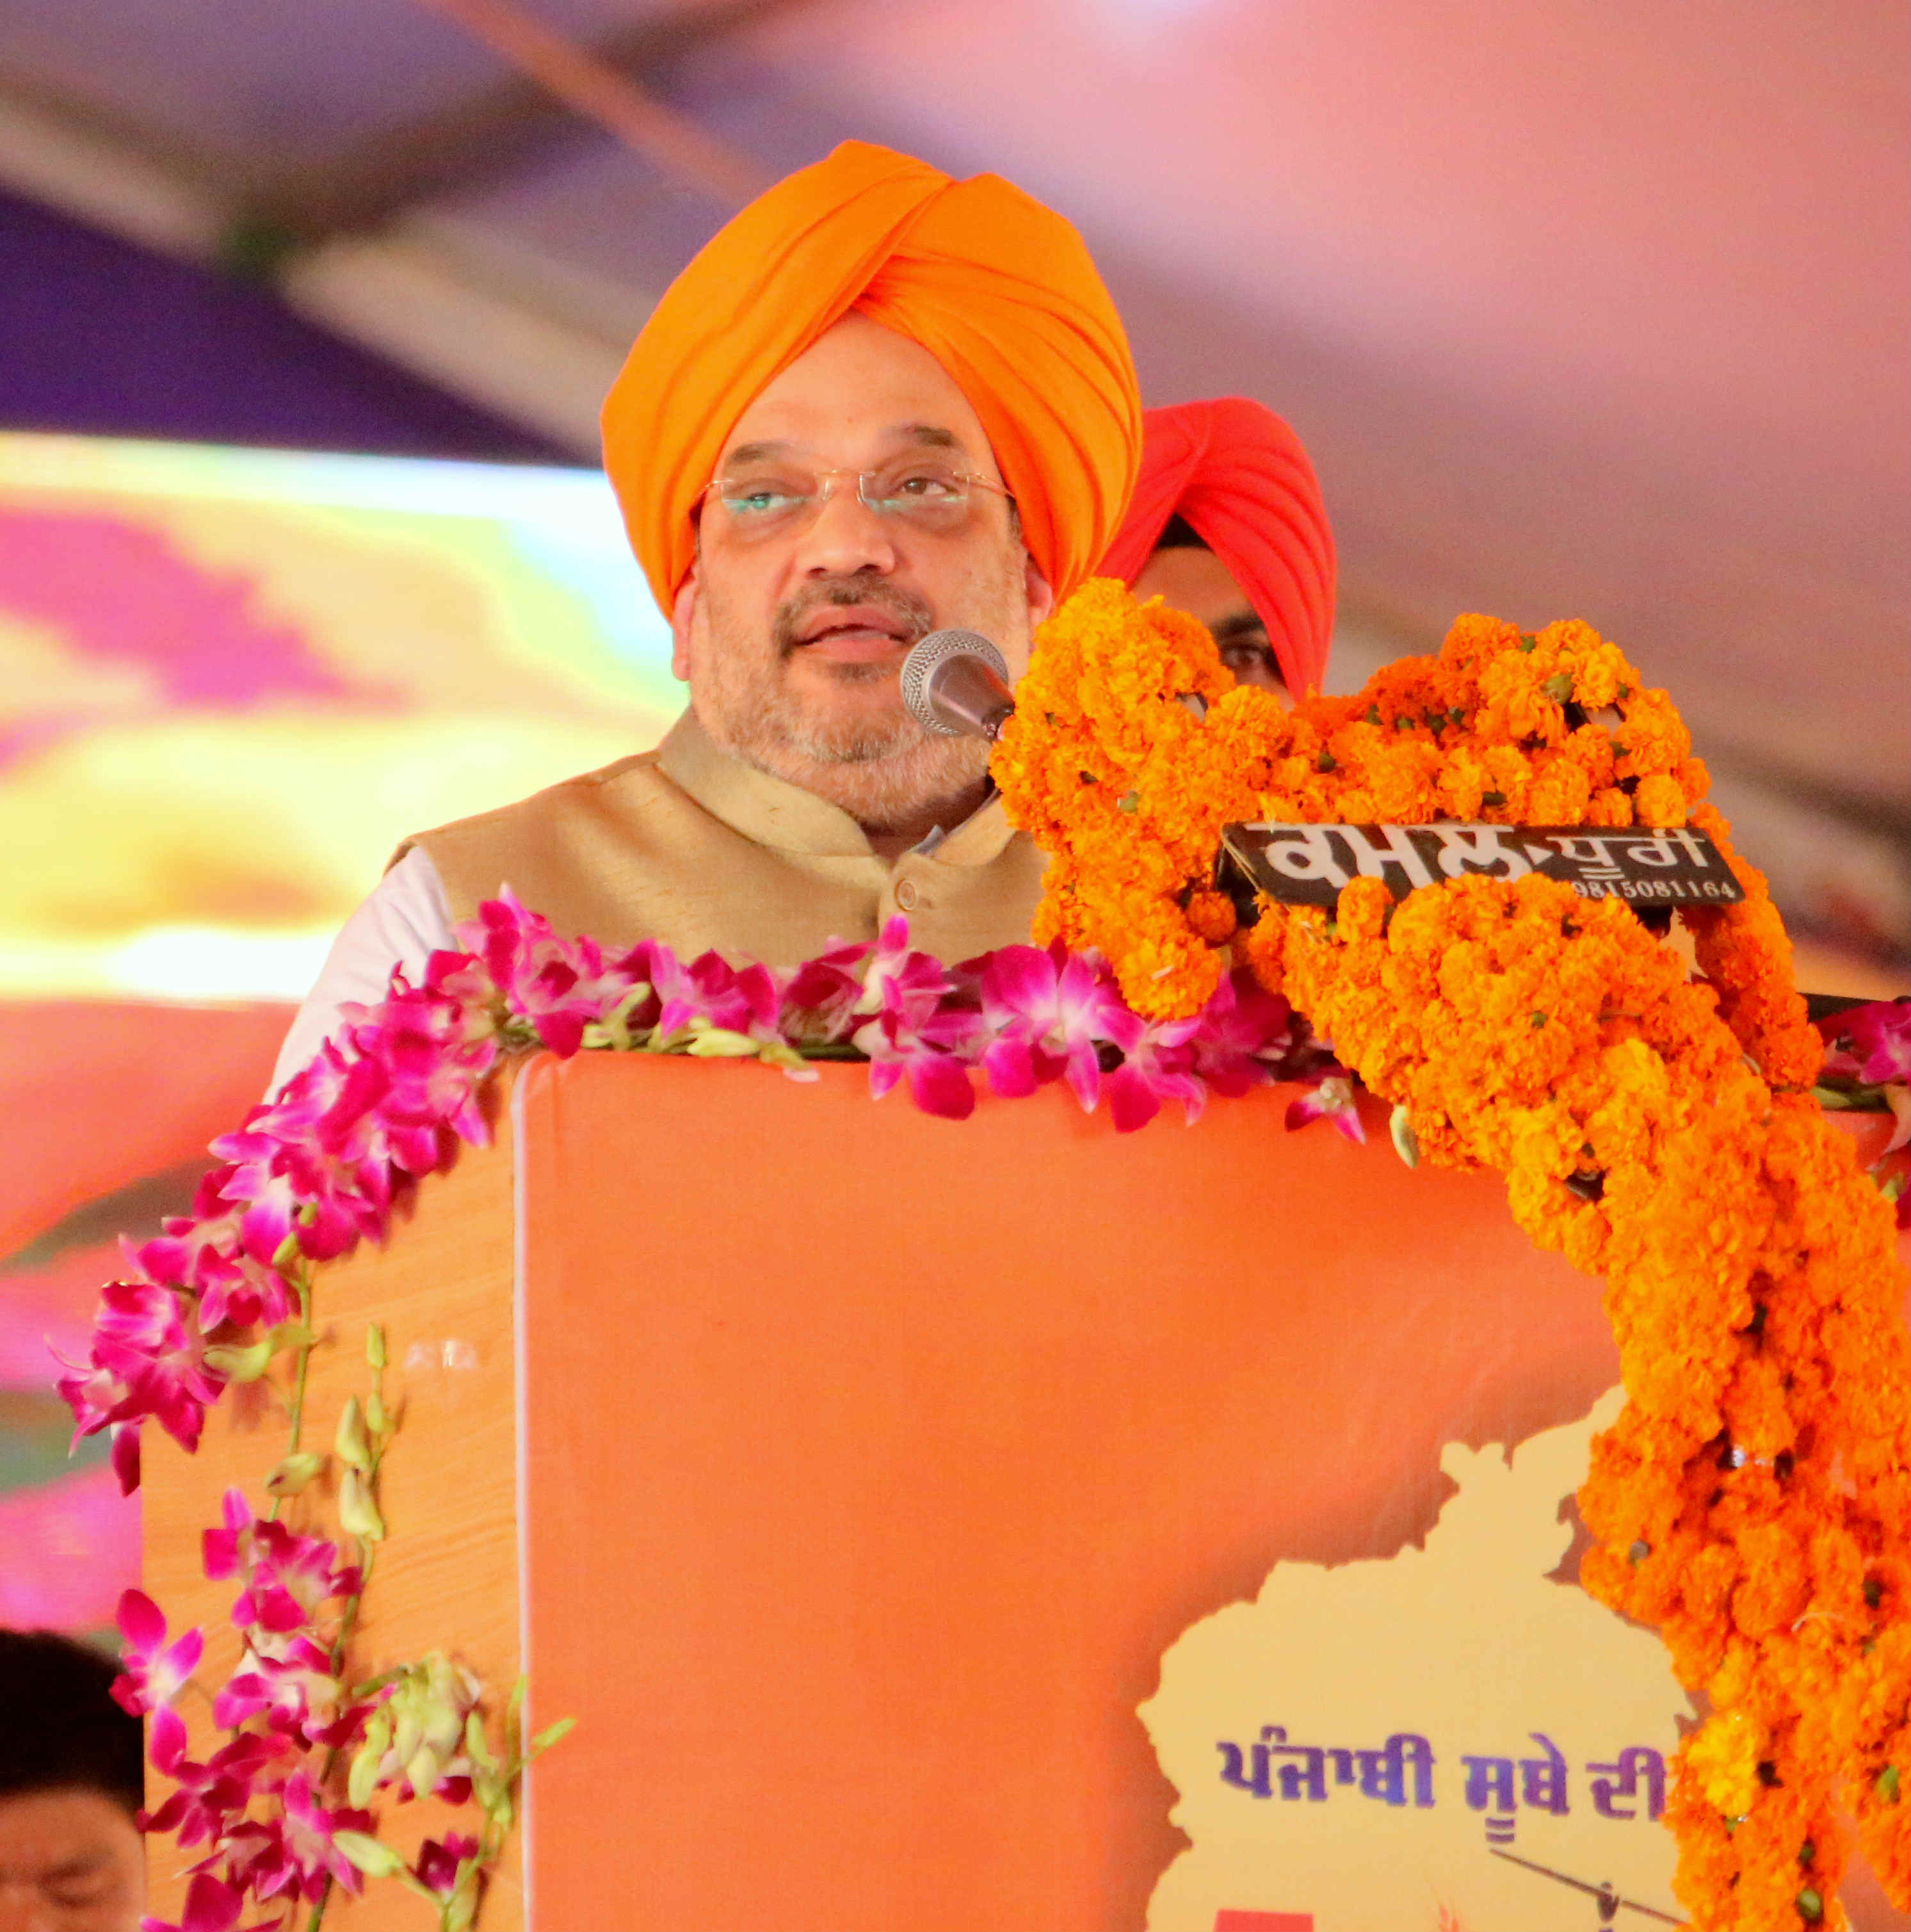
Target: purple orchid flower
1869, 1045
929, 1057
1051, 1012
464, 980
209, 1798
710, 989
913, 1034
319, 1161
900, 980
349, 1146
438, 1862
285, 1178
290, 1684
819, 999
436, 1052
270, 1186
286, 1576
204, 1253
294, 1851
140, 1317
560, 985
124, 1456
1244, 1034
211, 1906
154, 1671
145, 1363
1331, 1098
1880, 1040
1159, 1066
101, 1399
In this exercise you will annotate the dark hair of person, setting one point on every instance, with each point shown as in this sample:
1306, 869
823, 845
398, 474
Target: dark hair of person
1179, 534
60, 1729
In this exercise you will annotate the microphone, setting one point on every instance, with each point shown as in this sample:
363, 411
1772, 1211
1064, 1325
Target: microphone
956, 683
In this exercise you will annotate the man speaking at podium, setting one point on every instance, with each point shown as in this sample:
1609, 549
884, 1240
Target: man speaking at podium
880, 402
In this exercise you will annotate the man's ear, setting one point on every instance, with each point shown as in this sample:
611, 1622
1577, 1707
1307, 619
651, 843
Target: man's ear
1040, 592
682, 612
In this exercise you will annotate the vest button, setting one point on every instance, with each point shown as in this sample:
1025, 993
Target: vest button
906, 894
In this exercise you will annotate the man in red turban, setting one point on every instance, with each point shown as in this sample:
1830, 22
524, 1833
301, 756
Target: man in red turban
879, 402
1227, 524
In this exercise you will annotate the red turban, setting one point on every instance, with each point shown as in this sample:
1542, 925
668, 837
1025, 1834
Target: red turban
998, 289
1238, 476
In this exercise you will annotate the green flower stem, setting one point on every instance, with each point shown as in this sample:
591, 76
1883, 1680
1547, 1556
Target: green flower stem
368, 1560
302, 1285
380, 1438
1856, 1096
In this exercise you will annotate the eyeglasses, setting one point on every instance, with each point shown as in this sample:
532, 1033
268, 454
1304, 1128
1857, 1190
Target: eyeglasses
783, 498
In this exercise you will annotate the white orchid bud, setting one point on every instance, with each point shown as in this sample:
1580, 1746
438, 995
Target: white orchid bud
240, 1365
715, 1042
374, 1859
349, 1440
408, 1735
362, 1780
294, 1474
423, 1771
357, 1514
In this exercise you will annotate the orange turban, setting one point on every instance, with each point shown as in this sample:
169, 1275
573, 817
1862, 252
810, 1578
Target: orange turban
998, 289
1236, 474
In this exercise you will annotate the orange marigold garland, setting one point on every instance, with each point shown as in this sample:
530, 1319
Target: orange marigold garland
1754, 1501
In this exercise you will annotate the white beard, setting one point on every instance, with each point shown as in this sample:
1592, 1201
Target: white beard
874, 761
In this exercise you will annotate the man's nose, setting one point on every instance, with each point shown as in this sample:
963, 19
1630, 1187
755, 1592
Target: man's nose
846, 536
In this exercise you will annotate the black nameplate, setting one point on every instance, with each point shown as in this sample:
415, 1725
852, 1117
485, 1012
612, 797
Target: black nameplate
1307, 865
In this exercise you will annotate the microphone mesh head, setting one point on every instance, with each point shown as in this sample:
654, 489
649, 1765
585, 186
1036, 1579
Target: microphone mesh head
936, 648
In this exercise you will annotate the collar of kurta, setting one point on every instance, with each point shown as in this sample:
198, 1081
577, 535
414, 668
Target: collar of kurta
772, 812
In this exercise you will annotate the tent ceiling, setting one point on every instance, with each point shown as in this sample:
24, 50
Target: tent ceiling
1595, 307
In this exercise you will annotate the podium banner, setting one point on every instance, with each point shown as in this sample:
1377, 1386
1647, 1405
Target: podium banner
1002, 1524
1015, 1525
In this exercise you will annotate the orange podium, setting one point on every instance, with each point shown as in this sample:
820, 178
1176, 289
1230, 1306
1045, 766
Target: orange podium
846, 1472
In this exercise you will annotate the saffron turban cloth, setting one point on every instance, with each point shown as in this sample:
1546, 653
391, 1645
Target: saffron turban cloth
1001, 290
1238, 476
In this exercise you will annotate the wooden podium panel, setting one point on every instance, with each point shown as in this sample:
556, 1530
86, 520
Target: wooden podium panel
874, 1460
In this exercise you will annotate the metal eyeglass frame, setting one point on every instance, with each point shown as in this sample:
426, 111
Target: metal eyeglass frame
827, 479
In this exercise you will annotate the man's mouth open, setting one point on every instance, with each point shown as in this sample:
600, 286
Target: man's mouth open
859, 634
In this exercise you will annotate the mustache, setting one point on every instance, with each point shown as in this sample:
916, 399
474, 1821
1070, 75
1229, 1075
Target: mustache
841, 593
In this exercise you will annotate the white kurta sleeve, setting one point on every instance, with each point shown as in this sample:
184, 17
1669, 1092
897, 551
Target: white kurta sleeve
403, 922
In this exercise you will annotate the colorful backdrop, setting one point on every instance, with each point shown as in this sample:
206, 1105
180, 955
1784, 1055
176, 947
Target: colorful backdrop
229, 680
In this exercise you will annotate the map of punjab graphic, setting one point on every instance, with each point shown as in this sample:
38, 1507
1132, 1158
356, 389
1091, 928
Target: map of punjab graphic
1356, 1743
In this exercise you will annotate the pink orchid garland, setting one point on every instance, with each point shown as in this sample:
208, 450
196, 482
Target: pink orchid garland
227, 1289
1867, 1064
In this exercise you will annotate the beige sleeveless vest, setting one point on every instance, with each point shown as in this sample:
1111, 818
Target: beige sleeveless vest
686, 844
